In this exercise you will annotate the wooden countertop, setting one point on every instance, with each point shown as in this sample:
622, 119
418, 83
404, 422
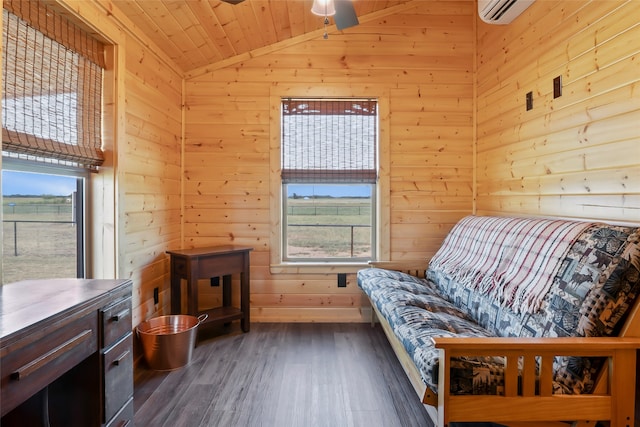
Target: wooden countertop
26, 304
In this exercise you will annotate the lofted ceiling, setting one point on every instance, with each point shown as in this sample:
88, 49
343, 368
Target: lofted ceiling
199, 33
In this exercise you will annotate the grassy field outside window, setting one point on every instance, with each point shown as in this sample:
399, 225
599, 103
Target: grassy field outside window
329, 228
41, 232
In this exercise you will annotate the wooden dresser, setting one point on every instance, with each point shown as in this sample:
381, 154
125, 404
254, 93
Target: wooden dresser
66, 353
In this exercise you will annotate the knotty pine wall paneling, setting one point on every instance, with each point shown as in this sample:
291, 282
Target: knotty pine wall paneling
422, 58
150, 164
136, 203
576, 156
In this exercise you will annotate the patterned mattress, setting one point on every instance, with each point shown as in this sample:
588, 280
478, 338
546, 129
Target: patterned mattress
594, 283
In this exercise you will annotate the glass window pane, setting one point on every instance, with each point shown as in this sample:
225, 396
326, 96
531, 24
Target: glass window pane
329, 221
39, 225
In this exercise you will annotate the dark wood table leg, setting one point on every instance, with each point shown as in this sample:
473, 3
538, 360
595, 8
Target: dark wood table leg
226, 296
192, 288
244, 294
176, 303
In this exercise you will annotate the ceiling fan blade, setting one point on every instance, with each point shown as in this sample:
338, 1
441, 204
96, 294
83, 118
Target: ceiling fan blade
345, 16
233, 1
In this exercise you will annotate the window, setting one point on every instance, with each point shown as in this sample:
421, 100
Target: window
52, 77
329, 175
43, 217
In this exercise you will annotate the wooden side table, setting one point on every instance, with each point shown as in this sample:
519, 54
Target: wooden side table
206, 263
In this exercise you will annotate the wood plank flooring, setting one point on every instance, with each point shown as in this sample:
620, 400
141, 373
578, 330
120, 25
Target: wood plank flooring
283, 375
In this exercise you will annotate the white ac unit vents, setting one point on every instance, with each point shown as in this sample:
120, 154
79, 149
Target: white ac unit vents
501, 11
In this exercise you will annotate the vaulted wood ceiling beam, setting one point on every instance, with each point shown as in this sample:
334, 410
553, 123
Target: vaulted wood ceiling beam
293, 41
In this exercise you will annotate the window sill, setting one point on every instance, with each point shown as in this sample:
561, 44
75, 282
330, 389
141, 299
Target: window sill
317, 267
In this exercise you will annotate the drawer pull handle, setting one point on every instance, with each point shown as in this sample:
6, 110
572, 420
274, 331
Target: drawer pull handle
41, 361
121, 315
121, 358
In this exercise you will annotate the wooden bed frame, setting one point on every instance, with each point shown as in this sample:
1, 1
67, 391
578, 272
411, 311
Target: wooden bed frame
613, 398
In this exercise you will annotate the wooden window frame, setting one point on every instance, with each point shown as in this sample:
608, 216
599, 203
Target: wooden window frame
277, 93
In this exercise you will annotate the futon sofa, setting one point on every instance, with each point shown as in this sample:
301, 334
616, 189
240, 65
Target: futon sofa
513, 319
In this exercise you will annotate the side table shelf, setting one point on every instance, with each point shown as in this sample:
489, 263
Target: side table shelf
223, 315
206, 263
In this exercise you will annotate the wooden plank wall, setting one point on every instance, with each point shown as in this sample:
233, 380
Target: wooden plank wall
422, 58
150, 173
575, 156
137, 196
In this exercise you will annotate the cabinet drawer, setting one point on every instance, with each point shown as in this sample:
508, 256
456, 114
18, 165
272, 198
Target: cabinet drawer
116, 321
27, 370
124, 418
118, 376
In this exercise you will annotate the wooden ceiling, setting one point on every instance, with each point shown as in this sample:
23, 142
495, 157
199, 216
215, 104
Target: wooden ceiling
200, 33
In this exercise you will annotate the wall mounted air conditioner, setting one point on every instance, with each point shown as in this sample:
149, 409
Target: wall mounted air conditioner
501, 11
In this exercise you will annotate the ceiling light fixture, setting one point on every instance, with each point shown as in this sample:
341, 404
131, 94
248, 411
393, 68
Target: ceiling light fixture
324, 8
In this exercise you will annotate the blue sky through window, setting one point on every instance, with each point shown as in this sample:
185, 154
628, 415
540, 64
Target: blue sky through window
333, 190
35, 184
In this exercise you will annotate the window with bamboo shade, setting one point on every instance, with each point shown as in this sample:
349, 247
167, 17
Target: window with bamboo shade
329, 173
52, 87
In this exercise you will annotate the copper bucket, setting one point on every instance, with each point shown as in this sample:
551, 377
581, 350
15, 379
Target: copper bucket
168, 341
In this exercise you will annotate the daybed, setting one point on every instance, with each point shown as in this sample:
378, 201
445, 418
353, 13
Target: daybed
513, 321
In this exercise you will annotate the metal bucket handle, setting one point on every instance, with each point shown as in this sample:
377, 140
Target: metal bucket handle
201, 319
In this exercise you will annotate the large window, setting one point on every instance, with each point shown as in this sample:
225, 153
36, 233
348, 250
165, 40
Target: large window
52, 78
329, 174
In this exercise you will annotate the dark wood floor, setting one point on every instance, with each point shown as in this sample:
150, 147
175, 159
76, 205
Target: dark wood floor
279, 375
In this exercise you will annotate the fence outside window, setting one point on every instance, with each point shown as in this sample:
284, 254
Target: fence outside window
39, 241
